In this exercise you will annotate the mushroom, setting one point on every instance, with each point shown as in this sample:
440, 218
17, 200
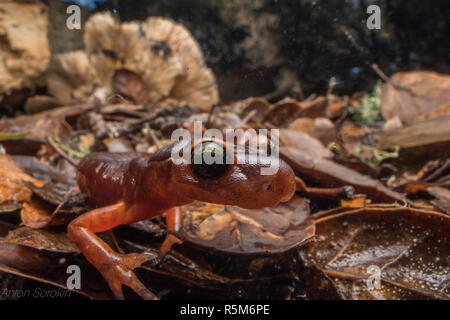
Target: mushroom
146, 62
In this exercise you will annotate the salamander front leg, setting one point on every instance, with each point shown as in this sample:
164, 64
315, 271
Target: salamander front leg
116, 268
173, 221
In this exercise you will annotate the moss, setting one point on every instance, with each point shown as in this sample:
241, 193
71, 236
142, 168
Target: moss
369, 110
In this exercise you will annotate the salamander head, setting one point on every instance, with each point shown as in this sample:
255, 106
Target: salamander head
230, 175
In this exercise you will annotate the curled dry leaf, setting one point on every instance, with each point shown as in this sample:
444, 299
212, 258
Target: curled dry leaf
283, 112
315, 108
17, 188
240, 231
35, 215
257, 105
53, 204
409, 95
129, 85
12, 178
407, 248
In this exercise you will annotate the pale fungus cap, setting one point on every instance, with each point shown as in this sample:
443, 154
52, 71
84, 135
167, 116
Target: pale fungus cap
146, 61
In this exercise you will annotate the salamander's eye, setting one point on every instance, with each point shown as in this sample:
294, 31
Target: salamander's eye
209, 160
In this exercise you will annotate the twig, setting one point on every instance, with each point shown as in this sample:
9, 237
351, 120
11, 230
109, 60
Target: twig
116, 95
331, 85
66, 198
380, 73
61, 152
249, 116
155, 139
383, 76
115, 242
208, 122
438, 171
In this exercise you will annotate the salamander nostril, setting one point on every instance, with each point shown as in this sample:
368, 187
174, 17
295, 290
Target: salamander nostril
269, 187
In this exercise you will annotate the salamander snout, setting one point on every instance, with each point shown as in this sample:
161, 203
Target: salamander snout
281, 187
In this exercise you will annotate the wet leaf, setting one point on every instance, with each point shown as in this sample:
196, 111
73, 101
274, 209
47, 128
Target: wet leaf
408, 247
237, 230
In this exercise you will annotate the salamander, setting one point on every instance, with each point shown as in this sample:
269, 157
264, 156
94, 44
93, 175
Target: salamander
130, 187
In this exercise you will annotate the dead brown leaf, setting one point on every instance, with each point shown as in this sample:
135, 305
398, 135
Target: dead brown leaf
313, 163
442, 198
237, 230
12, 178
412, 94
130, 85
407, 248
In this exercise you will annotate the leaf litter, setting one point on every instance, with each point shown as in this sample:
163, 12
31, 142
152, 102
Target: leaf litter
390, 145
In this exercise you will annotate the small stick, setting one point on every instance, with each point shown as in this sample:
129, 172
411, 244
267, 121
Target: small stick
117, 95
345, 192
66, 198
61, 152
383, 76
155, 139
438, 171
331, 85
248, 116
208, 122
115, 242
380, 73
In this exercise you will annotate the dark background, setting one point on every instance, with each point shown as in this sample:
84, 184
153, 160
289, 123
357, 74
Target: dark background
316, 40
266, 47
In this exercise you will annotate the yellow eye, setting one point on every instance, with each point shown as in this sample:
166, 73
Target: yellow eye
208, 160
